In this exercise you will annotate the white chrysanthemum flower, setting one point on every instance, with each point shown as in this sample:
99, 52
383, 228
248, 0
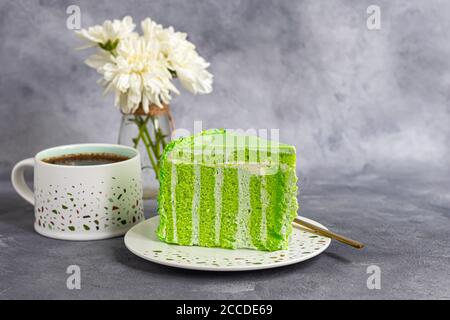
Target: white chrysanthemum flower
191, 70
137, 73
181, 57
98, 60
150, 29
109, 32
140, 69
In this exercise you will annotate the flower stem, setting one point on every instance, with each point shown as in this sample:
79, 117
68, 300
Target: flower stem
148, 143
157, 137
140, 125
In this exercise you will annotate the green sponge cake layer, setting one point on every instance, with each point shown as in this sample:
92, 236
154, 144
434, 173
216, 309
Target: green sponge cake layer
220, 189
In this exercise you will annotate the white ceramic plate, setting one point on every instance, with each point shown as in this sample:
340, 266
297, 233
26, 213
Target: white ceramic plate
143, 242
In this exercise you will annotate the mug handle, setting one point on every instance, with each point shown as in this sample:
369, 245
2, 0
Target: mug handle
18, 179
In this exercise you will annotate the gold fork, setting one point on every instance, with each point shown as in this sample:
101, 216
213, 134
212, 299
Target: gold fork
301, 224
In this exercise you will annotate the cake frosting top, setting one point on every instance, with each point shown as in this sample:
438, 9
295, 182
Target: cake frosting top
228, 148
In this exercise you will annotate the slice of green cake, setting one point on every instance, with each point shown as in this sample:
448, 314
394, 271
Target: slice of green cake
221, 189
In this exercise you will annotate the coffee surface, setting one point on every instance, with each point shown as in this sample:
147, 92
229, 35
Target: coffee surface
86, 159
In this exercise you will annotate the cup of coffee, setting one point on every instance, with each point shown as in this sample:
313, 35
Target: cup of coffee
83, 191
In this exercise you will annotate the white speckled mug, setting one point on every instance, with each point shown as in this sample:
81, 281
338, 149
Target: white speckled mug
87, 202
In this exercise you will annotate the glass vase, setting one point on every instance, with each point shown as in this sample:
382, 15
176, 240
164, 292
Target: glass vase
149, 133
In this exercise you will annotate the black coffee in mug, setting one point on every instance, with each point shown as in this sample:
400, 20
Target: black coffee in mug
85, 159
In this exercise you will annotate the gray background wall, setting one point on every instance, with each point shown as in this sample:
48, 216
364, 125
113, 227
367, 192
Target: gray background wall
369, 112
350, 99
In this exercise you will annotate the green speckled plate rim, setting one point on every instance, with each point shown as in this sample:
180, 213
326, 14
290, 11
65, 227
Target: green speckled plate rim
303, 246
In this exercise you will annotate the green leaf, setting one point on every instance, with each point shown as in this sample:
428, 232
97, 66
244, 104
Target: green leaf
114, 44
109, 45
173, 73
104, 46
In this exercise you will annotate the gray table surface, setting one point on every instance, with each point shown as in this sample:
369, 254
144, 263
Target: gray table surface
403, 219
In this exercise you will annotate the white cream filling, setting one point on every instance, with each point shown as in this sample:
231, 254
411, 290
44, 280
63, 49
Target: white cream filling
218, 202
243, 239
173, 183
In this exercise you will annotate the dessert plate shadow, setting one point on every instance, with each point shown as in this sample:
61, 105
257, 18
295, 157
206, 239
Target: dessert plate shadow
143, 242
